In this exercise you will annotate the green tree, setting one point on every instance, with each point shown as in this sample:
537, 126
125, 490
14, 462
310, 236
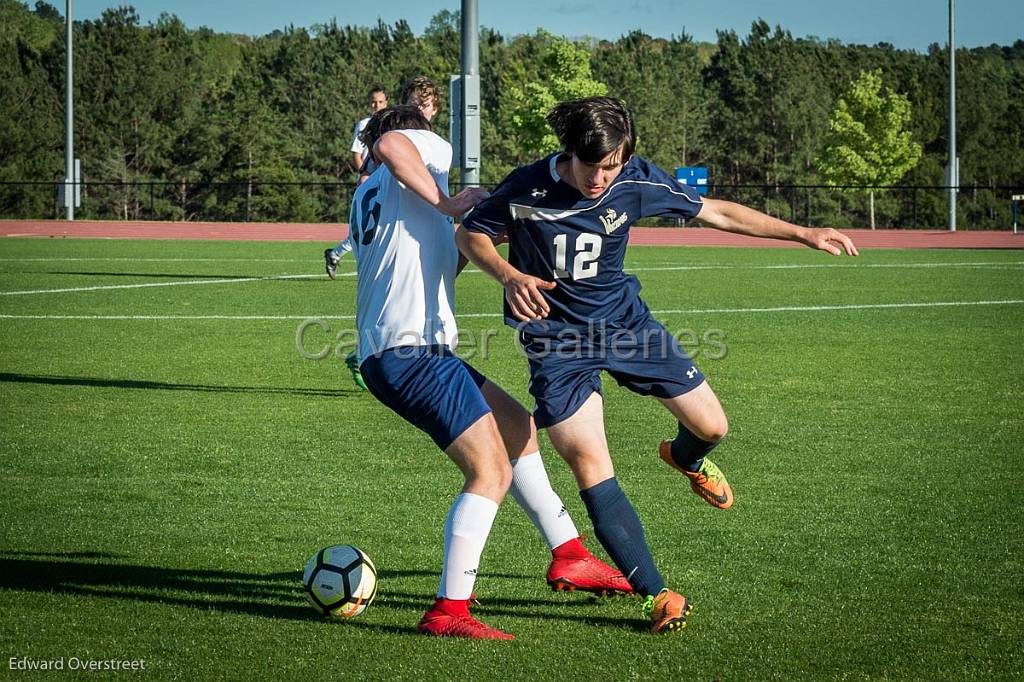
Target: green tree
261, 151
566, 69
867, 143
32, 131
661, 82
219, 126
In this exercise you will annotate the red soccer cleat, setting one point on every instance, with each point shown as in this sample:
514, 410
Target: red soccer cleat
573, 568
440, 621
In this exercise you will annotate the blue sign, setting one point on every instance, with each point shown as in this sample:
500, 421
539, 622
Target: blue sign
693, 176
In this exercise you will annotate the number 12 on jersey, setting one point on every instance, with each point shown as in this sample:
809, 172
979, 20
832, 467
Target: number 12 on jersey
584, 264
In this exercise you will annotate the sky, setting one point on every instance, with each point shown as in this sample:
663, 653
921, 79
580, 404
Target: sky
906, 24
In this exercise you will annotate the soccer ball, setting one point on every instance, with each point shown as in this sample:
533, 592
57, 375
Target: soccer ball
340, 580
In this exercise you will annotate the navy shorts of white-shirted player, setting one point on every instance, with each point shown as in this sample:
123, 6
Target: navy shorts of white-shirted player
429, 387
566, 366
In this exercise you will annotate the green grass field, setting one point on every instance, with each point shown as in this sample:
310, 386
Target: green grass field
169, 461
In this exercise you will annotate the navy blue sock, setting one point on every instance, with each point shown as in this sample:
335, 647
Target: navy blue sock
618, 529
688, 451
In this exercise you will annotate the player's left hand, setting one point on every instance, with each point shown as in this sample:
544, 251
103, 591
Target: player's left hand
523, 293
464, 201
829, 239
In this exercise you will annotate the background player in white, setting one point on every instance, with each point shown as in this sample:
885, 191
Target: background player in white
377, 100
421, 92
406, 264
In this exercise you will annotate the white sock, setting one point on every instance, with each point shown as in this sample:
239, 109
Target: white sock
465, 533
343, 247
532, 490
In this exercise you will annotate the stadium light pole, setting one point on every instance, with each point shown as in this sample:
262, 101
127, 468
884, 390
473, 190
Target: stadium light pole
69, 118
953, 175
470, 161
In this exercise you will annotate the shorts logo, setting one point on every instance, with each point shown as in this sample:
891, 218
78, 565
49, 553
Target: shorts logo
611, 222
691, 373
538, 193
471, 571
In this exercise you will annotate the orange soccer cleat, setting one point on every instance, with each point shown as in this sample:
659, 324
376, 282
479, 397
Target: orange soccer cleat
708, 482
667, 611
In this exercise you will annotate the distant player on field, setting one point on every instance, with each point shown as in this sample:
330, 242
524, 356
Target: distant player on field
406, 266
362, 160
376, 99
419, 92
567, 219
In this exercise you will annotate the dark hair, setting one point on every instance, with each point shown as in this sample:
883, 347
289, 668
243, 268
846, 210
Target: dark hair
376, 87
592, 128
419, 91
400, 117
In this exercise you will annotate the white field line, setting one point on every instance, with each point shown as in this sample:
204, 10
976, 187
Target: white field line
237, 280
681, 311
668, 264
992, 264
190, 282
655, 266
111, 259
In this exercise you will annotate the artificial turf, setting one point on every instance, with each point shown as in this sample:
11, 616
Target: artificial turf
169, 460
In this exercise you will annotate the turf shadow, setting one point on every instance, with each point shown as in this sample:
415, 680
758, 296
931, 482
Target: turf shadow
423, 573
268, 595
94, 382
275, 595
546, 606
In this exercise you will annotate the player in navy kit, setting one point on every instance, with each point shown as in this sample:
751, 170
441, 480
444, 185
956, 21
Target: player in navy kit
567, 219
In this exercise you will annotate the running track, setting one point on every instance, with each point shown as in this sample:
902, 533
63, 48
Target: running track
640, 236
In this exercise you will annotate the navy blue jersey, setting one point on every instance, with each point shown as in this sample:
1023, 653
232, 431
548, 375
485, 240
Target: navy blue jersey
555, 233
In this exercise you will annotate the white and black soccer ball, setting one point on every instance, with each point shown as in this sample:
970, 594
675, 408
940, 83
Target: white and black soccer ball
340, 580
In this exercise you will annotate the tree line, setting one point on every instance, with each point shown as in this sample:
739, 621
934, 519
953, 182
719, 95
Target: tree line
185, 124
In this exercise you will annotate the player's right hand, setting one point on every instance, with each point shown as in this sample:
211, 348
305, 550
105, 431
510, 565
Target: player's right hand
523, 293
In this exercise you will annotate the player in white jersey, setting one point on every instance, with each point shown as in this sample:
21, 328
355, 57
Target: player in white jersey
377, 100
402, 228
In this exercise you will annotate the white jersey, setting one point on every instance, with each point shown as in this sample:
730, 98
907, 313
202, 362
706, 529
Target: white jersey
406, 258
369, 165
357, 144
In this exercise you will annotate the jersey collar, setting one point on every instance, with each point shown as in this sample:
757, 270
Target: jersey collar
553, 166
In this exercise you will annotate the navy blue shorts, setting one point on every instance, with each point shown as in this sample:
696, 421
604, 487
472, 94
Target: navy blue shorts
565, 367
428, 386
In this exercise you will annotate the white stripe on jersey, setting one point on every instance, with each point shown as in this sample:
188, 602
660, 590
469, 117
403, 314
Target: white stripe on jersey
406, 271
540, 214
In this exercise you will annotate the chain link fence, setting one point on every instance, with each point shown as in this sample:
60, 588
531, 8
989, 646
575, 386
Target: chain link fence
904, 207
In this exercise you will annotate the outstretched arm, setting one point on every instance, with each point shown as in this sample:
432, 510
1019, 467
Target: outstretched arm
522, 291
399, 154
732, 217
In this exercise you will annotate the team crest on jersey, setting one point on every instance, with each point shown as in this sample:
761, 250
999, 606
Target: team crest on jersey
611, 222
